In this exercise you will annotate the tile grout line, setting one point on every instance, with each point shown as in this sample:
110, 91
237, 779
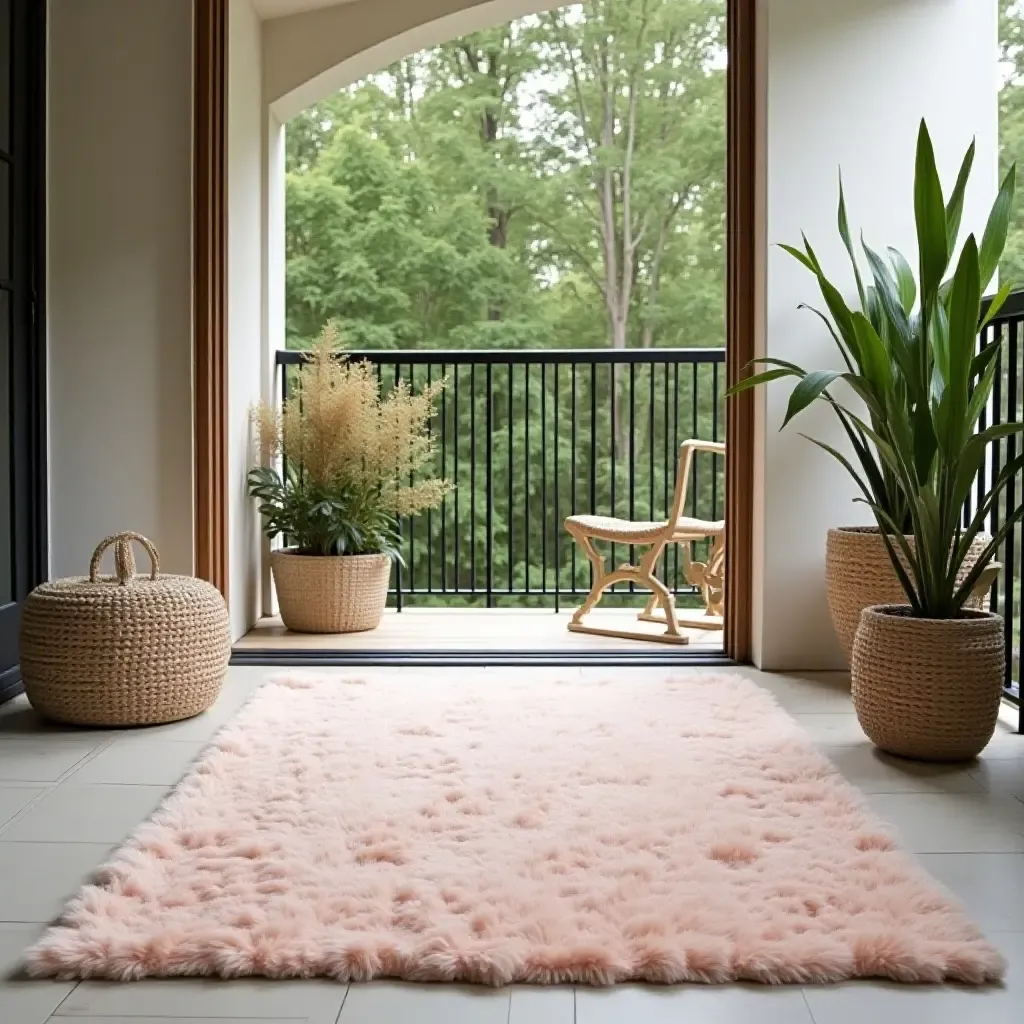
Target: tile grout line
67, 996
49, 788
69, 1017
344, 1000
810, 1012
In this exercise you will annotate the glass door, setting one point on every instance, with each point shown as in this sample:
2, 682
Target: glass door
22, 380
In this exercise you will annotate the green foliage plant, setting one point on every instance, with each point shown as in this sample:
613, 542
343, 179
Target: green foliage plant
910, 355
354, 461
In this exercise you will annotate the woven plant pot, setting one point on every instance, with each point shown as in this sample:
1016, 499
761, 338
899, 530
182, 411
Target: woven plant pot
859, 574
330, 594
124, 649
928, 688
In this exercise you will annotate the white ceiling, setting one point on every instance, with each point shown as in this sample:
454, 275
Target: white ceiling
281, 8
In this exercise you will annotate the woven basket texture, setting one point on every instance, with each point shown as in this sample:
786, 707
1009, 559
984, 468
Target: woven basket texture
124, 649
859, 574
928, 688
330, 594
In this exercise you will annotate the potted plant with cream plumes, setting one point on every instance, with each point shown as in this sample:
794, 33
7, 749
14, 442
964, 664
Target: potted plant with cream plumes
927, 668
353, 463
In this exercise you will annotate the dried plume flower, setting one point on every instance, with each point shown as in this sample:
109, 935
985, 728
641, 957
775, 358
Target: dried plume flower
340, 432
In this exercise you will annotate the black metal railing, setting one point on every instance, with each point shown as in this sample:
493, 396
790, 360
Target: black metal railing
1007, 405
527, 438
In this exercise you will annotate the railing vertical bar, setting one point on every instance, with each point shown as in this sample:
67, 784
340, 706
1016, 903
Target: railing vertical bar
1011, 499
1013, 674
511, 488
986, 339
556, 524
613, 391
715, 468
666, 473
593, 454
543, 477
379, 367
650, 442
489, 490
401, 524
695, 434
572, 465
430, 518
444, 474
456, 418
472, 478
675, 458
632, 460
285, 384
997, 418
526, 475
412, 519
695, 466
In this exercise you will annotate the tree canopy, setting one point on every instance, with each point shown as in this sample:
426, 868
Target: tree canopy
555, 181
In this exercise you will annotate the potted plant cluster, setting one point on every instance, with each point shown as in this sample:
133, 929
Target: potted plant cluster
927, 670
352, 462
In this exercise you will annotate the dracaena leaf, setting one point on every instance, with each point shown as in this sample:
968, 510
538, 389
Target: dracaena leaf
809, 388
844, 233
955, 206
995, 304
904, 279
994, 239
930, 217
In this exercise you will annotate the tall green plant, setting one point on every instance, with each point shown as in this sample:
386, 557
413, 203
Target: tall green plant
910, 355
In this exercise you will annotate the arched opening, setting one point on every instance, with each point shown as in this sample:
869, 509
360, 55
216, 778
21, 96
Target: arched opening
633, 281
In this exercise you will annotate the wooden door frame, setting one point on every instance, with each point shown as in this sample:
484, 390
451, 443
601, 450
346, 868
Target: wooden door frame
209, 291
741, 313
210, 345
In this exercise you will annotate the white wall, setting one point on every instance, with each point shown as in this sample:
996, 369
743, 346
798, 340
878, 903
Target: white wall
847, 85
119, 282
245, 302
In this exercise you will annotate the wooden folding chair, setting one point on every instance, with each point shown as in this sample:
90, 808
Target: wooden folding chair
708, 577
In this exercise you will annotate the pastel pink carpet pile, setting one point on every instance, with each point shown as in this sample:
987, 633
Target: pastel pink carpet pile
683, 830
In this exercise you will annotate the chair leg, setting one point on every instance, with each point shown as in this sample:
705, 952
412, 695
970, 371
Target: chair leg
709, 578
715, 598
659, 592
642, 575
599, 586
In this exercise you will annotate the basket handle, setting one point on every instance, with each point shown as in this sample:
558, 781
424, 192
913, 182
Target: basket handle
124, 560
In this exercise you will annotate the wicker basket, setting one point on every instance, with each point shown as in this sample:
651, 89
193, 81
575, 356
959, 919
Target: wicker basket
928, 688
330, 594
124, 649
859, 574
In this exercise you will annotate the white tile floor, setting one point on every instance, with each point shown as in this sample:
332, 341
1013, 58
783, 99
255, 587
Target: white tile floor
67, 797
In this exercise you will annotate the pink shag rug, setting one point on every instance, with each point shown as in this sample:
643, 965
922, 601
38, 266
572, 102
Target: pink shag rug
684, 830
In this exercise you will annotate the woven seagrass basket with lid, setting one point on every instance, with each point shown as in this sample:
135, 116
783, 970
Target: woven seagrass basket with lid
125, 649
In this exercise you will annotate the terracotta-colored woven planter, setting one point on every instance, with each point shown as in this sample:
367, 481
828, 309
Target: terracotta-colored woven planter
333, 594
859, 574
928, 688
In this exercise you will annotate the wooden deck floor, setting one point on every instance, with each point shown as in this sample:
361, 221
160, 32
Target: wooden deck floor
495, 629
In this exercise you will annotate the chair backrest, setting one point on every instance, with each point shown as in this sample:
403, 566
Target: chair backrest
687, 450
